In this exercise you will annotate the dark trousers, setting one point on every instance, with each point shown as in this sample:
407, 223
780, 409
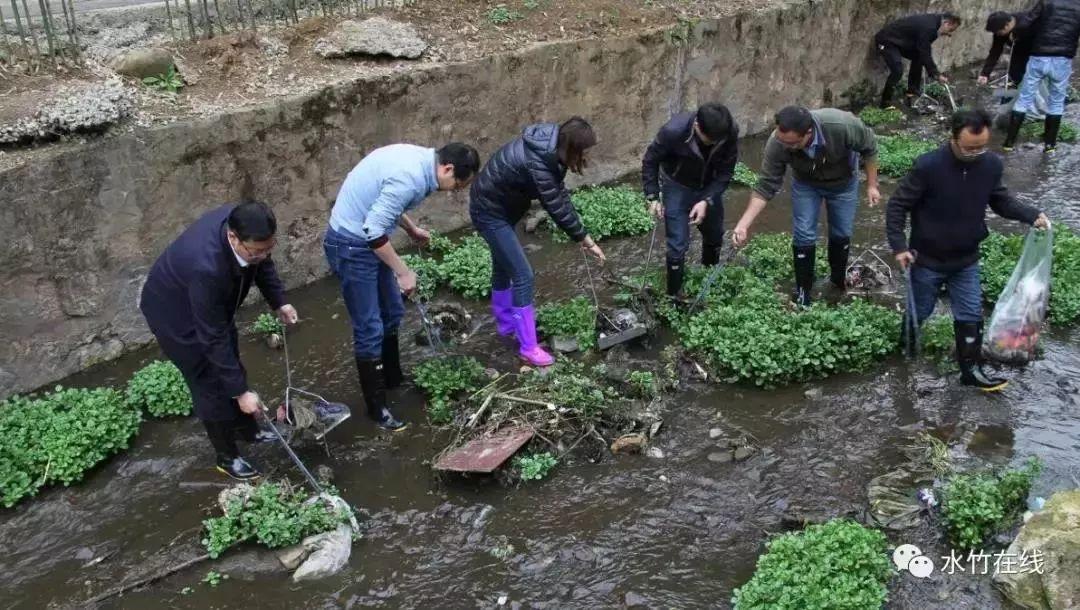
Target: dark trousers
894, 56
678, 200
509, 266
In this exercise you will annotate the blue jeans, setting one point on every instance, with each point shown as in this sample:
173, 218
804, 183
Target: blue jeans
677, 203
965, 293
1057, 70
370, 290
840, 204
509, 266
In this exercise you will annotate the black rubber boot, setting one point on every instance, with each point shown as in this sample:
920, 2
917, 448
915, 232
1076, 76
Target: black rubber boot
710, 255
969, 356
1050, 132
1016, 120
237, 468
675, 272
838, 259
373, 385
391, 359
804, 257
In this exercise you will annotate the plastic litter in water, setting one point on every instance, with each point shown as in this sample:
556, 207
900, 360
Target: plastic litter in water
926, 496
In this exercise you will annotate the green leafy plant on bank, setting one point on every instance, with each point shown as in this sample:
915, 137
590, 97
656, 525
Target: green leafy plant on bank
502, 15
535, 466
897, 153
938, 341
267, 324
1001, 252
608, 211
937, 91
214, 578
467, 267
976, 506
575, 318
770, 257
160, 389
744, 175
275, 516
428, 273
444, 379
170, 81
839, 564
876, 117
59, 436
569, 384
643, 384
1034, 130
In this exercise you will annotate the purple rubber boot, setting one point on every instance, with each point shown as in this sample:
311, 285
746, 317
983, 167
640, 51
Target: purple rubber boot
502, 309
529, 350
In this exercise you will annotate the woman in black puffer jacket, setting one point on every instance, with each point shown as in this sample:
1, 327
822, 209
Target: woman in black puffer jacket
531, 166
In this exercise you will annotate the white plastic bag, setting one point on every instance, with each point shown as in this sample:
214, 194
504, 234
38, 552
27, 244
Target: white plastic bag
1007, 99
1021, 309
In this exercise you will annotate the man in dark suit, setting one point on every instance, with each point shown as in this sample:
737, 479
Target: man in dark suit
190, 301
911, 38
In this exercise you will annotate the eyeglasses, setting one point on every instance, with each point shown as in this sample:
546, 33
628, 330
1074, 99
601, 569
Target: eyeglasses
257, 253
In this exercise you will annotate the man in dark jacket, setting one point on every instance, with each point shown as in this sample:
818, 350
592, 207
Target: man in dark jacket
694, 154
946, 195
190, 301
1009, 29
823, 148
1053, 48
911, 38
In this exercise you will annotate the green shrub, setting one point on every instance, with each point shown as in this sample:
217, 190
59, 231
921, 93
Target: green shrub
274, 516
975, 506
170, 81
875, 117
770, 257
444, 379
1035, 129
428, 272
897, 153
535, 466
501, 15
568, 384
575, 318
1000, 253
938, 340
267, 324
643, 384
467, 268
936, 90
59, 436
744, 175
839, 564
608, 211
160, 389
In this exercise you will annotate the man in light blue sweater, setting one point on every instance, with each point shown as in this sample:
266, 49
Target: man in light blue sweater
374, 199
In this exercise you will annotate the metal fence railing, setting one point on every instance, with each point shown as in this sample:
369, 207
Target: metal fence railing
50, 32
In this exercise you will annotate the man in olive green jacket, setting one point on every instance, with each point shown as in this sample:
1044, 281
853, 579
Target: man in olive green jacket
823, 148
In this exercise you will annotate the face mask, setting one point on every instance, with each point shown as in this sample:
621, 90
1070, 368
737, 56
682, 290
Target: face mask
967, 157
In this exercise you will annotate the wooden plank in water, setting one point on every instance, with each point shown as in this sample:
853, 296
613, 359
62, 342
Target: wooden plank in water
487, 453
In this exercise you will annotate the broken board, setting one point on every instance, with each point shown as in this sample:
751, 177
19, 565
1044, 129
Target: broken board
607, 341
487, 453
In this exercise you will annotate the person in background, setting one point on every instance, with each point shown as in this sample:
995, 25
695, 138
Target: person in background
531, 166
911, 38
373, 200
823, 148
1013, 30
190, 300
691, 161
1053, 48
946, 195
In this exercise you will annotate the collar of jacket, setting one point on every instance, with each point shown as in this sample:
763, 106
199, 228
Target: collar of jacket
227, 252
692, 142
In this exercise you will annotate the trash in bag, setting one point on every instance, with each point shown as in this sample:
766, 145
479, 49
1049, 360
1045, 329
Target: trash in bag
1021, 309
313, 413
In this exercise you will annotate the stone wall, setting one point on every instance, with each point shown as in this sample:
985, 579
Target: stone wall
80, 227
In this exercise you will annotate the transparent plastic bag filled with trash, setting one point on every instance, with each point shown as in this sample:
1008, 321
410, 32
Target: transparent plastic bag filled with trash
1020, 311
308, 413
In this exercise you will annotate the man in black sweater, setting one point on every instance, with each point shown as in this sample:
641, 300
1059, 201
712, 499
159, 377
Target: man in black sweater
946, 194
190, 301
911, 38
691, 161
1009, 29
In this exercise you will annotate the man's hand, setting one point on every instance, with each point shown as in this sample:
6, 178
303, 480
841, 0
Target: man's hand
591, 247
1042, 222
407, 282
873, 194
249, 402
944, 80
420, 236
738, 235
697, 213
905, 259
656, 209
982, 80
287, 314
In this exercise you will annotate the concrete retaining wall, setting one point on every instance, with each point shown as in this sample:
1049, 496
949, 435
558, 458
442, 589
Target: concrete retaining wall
80, 228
